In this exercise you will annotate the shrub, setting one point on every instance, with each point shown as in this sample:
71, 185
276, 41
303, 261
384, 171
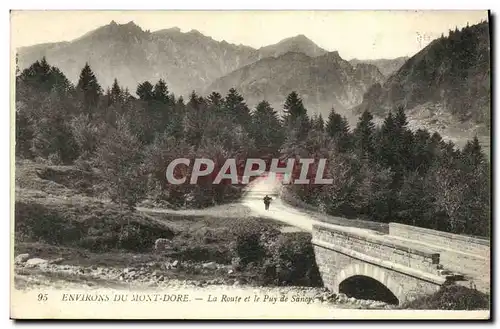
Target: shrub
93, 228
276, 258
37, 223
293, 258
250, 241
452, 297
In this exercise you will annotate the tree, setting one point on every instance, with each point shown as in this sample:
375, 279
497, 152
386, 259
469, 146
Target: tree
293, 107
162, 151
317, 122
237, 109
337, 128
42, 77
472, 155
116, 94
363, 135
86, 134
160, 92
89, 89
387, 143
145, 91
400, 120
215, 99
52, 137
295, 116
403, 139
195, 120
266, 129
120, 157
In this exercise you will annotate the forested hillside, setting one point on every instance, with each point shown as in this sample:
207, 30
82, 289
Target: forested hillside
384, 174
450, 75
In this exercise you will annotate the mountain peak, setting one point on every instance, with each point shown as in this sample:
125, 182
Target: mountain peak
113, 30
333, 55
301, 37
297, 44
196, 32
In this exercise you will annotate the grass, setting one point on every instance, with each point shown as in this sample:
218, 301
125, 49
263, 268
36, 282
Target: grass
59, 214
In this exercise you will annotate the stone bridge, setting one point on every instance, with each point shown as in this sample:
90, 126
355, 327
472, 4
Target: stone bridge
368, 260
399, 266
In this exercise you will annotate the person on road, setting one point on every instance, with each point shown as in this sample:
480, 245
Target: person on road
267, 201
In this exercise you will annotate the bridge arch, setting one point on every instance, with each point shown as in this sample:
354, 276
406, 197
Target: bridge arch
367, 274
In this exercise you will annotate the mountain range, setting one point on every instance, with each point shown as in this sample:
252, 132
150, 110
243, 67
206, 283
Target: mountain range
444, 87
192, 61
323, 82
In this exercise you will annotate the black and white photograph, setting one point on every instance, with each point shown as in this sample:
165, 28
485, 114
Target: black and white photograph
239, 164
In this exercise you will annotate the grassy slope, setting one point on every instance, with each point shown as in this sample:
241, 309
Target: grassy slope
58, 215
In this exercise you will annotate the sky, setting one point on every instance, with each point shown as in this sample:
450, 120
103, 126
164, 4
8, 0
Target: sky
354, 34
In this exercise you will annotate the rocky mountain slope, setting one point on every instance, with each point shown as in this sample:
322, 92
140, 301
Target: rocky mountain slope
186, 61
451, 73
445, 87
385, 66
322, 81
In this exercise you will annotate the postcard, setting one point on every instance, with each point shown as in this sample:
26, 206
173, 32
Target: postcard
250, 164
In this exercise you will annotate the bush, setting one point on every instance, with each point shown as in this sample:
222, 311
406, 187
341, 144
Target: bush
37, 223
276, 258
293, 257
96, 229
452, 297
250, 241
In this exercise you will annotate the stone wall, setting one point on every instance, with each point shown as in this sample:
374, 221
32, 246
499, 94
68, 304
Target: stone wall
461, 254
379, 246
462, 243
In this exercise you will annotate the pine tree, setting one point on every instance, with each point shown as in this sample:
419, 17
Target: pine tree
215, 99
320, 123
266, 129
120, 157
400, 120
145, 91
45, 78
403, 140
423, 151
363, 135
160, 92
295, 116
216, 103
293, 107
472, 155
195, 120
387, 143
89, 89
236, 108
337, 128
115, 94
317, 122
